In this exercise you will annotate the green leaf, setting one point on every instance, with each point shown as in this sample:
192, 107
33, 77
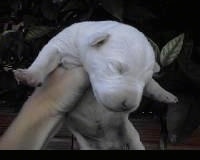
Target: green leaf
171, 50
155, 48
35, 32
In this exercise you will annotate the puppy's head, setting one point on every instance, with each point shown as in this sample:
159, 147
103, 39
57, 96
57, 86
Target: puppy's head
117, 75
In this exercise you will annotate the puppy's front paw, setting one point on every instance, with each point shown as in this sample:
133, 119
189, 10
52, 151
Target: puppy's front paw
169, 98
26, 77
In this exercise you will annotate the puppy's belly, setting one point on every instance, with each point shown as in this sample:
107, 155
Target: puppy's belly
99, 127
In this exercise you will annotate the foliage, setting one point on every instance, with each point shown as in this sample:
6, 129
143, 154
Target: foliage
26, 25
169, 52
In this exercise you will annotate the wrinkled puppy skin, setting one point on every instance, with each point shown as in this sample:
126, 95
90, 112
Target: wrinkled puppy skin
118, 58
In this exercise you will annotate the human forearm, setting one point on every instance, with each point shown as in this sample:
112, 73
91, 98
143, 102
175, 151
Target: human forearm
44, 109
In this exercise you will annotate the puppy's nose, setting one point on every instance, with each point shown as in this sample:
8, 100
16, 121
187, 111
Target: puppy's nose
125, 107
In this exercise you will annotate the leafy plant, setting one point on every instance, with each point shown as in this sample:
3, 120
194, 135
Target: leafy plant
169, 52
35, 32
27, 25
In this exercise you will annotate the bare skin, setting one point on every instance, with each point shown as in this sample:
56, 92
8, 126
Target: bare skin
45, 110
94, 126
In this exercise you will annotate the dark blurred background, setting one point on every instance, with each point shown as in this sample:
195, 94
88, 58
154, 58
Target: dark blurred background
26, 25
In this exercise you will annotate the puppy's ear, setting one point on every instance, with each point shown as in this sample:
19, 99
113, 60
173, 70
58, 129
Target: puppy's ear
98, 39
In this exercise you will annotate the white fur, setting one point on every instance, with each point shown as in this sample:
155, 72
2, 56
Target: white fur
119, 61
117, 57
94, 126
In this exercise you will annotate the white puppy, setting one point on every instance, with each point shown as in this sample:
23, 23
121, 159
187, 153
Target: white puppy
94, 126
118, 59
120, 63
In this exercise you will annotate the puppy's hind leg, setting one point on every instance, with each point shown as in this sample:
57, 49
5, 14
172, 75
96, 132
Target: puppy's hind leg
155, 91
47, 60
132, 137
